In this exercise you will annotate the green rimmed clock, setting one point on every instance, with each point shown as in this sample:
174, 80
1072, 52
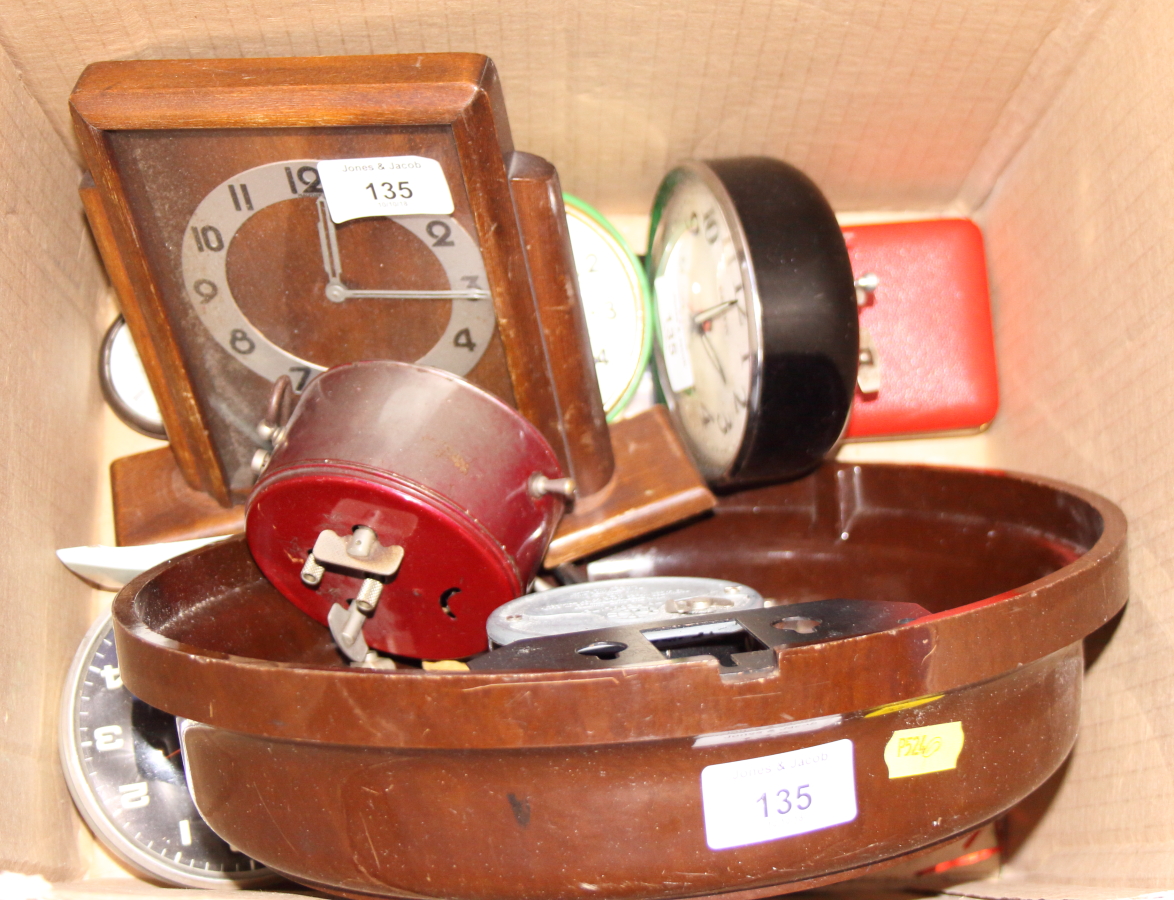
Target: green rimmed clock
617, 301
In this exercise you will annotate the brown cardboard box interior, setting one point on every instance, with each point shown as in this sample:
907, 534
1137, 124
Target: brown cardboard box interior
1048, 120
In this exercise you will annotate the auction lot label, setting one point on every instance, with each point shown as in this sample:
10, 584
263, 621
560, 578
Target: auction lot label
770, 797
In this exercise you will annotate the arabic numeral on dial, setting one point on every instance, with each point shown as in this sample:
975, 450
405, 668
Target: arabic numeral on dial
712, 232
306, 182
108, 737
601, 357
241, 342
440, 232
112, 676
592, 263
472, 282
134, 796
205, 290
464, 339
208, 238
299, 375
244, 196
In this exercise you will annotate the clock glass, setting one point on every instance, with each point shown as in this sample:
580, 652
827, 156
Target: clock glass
124, 383
706, 304
263, 283
616, 300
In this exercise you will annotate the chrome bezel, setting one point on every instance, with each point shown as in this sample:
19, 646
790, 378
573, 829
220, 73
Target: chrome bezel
97, 818
665, 232
149, 427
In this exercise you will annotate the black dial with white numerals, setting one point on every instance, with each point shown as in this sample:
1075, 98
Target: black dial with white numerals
756, 311
123, 765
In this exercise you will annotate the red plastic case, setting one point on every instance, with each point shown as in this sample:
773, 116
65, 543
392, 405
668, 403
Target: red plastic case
431, 463
930, 322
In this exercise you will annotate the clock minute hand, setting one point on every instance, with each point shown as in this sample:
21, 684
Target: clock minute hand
711, 352
718, 309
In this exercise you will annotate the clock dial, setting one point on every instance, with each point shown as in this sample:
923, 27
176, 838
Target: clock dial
123, 766
703, 298
616, 300
756, 317
274, 287
461, 309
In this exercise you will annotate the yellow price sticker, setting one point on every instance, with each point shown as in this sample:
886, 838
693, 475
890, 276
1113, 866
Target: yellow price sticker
919, 751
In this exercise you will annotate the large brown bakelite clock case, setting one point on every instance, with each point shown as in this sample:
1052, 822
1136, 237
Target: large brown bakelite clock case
209, 210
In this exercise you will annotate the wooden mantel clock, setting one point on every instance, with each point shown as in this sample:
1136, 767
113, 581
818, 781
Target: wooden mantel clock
220, 204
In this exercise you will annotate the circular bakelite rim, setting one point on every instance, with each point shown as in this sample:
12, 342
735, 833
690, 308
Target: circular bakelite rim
289, 509
411, 708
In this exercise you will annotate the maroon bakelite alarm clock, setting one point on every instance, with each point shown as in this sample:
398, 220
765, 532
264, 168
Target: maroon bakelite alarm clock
400, 505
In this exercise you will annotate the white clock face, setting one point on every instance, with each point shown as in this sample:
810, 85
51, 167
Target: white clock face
226, 208
613, 292
707, 317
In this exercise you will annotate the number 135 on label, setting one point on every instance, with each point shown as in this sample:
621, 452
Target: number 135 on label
754, 800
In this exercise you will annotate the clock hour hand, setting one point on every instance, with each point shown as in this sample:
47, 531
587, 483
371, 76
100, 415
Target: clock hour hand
338, 292
328, 244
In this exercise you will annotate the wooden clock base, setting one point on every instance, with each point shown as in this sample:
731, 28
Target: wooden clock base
153, 503
654, 486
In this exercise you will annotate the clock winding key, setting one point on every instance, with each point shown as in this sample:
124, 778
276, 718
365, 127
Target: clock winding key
363, 553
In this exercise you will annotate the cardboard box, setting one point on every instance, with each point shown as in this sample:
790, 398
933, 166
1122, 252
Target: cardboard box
1049, 121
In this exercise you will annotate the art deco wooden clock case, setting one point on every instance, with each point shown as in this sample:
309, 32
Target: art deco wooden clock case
208, 207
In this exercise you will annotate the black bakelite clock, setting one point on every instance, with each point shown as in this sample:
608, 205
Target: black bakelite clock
758, 334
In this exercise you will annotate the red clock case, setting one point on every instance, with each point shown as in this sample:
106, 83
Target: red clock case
930, 322
433, 464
